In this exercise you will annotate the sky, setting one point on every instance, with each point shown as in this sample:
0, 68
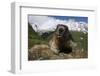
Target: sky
76, 18
49, 23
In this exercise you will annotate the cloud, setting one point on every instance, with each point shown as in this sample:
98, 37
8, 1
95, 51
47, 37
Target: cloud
45, 23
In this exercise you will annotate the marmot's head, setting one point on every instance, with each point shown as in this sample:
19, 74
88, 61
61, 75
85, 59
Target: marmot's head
61, 30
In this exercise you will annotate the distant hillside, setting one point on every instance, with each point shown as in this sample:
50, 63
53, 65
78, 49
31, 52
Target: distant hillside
34, 37
30, 29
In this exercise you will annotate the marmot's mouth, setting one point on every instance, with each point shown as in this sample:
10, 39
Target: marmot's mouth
59, 35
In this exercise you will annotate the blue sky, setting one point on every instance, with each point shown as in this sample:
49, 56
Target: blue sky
76, 18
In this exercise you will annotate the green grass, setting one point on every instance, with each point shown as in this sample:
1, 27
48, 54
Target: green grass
82, 43
34, 38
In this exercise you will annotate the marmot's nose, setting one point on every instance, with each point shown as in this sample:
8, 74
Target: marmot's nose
61, 30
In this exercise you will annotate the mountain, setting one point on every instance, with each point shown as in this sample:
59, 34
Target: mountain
43, 24
49, 26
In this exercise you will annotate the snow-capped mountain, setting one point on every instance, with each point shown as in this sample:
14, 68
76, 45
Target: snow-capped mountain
45, 24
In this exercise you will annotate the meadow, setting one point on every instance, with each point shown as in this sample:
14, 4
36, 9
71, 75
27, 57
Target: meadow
80, 38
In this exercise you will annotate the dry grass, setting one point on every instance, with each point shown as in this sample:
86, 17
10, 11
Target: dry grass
42, 52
